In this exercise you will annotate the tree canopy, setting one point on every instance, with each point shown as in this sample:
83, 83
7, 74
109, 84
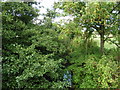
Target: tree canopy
51, 55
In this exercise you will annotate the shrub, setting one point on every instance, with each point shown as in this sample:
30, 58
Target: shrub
96, 73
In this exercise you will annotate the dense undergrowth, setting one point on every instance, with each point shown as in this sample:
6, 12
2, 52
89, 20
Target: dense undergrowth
37, 56
93, 70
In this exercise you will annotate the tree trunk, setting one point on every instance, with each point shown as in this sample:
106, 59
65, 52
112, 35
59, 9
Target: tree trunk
102, 43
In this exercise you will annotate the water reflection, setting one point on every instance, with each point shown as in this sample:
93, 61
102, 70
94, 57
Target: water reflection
67, 78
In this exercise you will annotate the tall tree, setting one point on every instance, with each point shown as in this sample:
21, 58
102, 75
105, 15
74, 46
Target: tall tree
32, 54
94, 16
16, 19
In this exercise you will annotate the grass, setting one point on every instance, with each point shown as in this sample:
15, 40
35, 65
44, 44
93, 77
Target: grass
107, 44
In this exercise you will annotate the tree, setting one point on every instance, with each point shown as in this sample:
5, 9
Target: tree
91, 70
32, 54
90, 15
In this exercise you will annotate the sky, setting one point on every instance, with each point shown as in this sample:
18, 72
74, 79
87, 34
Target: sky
48, 4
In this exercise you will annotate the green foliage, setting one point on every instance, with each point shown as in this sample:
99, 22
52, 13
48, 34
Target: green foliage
20, 11
38, 55
32, 55
90, 16
35, 61
104, 71
90, 70
95, 72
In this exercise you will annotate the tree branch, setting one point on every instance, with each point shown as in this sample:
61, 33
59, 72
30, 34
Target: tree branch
115, 43
115, 7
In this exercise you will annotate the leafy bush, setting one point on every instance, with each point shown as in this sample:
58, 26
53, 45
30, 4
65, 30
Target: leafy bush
32, 55
96, 73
